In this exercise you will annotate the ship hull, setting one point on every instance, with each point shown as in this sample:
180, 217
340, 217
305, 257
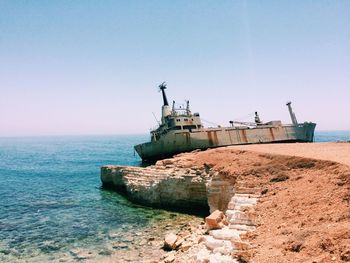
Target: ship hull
179, 141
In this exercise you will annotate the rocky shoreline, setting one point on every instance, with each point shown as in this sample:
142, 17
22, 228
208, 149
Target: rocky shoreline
178, 184
237, 186
168, 184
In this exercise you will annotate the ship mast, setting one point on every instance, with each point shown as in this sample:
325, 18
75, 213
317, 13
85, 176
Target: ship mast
166, 110
162, 87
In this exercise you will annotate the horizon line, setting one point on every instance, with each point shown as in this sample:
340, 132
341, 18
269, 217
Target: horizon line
116, 134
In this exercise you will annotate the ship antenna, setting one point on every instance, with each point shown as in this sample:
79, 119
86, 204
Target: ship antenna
156, 118
162, 87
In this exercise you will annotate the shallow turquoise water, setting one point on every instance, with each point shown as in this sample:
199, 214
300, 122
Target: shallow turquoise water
51, 198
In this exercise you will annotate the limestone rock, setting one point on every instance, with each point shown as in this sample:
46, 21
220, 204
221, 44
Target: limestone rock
159, 185
216, 220
169, 259
170, 241
225, 234
168, 161
212, 243
224, 250
186, 246
220, 191
240, 245
179, 242
202, 256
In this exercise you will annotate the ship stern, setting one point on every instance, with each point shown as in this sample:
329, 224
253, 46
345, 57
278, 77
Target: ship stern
309, 131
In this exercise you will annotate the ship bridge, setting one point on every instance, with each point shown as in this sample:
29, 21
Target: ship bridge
175, 118
181, 118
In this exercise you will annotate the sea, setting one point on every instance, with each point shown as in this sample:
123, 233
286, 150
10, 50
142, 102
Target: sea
52, 203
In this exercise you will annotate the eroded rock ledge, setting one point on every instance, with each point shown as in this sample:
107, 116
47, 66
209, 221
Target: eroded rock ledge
160, 185
173, 184
182, 184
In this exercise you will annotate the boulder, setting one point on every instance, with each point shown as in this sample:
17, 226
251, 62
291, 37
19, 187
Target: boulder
170, 241
215, 220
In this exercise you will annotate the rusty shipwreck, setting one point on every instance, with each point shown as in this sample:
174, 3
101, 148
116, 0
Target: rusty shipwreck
181, 131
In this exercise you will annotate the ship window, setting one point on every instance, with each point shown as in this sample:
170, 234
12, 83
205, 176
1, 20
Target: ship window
190, 127
177, 119
185, 119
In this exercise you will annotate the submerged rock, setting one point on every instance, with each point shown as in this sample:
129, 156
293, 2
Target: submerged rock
81, 254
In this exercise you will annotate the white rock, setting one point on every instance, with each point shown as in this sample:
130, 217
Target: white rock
243, 200
212, 243
170, 241
230, 213
202, 256
186, 246
226, 249
225, 234
242, 227
169, 259
238, 215
217, 258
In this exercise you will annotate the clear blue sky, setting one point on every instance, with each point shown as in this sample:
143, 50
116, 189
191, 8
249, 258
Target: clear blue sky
92, 67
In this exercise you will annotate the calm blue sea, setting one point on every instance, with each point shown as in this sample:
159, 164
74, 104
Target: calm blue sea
332, 136
51, 198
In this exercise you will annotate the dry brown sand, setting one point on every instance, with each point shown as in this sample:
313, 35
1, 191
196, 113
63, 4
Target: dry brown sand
304, 212
337, 152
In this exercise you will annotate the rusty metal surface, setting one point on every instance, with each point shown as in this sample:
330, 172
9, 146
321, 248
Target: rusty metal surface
184, 141
271, 133
244, 136
182, 131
